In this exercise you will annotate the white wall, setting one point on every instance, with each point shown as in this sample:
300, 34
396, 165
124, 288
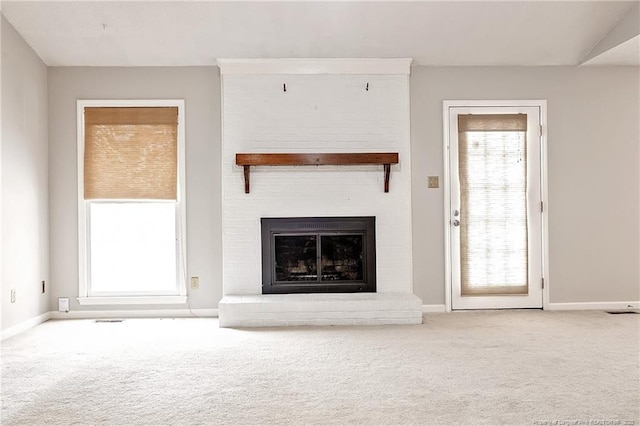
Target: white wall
317, 113
200, 88
25, 223
594, 173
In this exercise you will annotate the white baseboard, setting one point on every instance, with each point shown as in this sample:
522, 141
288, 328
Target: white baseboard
137, 313
433, 308
25, 325
581, 306
585, 306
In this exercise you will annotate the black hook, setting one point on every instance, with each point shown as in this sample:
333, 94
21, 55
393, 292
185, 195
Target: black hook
284, 86
367, 87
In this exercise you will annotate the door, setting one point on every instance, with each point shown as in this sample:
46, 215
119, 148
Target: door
495, 207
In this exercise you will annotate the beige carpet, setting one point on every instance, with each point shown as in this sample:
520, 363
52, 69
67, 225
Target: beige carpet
495, 367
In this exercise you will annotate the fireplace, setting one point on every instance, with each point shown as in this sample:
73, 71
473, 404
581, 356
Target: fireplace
318, 255
329, 112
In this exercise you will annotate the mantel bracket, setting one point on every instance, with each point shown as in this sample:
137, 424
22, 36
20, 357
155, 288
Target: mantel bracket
246, 178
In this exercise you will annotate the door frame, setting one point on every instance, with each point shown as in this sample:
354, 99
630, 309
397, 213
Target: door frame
446, 106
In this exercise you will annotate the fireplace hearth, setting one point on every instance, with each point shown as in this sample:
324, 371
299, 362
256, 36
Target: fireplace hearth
318, 255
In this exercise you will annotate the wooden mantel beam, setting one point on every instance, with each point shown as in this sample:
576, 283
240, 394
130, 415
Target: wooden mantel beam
319, 159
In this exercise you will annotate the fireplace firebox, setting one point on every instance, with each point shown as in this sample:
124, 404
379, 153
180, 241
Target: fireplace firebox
318, 255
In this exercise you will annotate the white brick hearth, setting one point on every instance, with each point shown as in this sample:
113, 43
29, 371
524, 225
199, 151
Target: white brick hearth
319, 309
346, 111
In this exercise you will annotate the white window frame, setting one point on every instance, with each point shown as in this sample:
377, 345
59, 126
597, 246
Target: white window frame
83, 243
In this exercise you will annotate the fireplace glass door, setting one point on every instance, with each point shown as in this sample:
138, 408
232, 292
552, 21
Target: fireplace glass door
296, 257
319, 257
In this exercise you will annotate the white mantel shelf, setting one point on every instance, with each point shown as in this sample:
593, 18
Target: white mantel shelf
273, 310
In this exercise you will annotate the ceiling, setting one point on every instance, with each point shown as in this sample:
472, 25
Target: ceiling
188, 33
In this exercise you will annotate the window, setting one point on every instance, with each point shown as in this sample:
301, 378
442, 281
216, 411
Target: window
131, 204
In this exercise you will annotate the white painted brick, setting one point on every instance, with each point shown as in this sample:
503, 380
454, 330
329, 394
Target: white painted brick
320, 309
318, 113
251, 323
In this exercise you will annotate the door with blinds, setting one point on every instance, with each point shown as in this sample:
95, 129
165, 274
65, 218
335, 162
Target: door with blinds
495, 207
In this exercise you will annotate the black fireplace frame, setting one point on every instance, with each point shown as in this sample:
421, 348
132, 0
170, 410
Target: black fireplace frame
364, 225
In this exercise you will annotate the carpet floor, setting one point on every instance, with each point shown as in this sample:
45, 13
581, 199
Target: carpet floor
491, 367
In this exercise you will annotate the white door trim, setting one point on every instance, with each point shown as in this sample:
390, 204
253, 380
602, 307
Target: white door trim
542, 104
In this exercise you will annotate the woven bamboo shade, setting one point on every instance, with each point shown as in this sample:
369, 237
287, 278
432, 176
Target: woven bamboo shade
492, 123
130, 153
493, 204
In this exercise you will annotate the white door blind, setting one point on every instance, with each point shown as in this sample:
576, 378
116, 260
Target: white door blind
493, 204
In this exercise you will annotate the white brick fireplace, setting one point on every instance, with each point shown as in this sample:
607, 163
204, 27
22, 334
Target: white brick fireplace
316, 106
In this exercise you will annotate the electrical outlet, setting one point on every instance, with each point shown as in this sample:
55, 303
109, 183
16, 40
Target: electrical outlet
13, 295
433, 182
195, 283
63, 304
43, 287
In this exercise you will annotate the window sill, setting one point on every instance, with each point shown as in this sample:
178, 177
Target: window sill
133, 300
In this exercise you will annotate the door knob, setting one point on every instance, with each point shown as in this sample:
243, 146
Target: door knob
456, 222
